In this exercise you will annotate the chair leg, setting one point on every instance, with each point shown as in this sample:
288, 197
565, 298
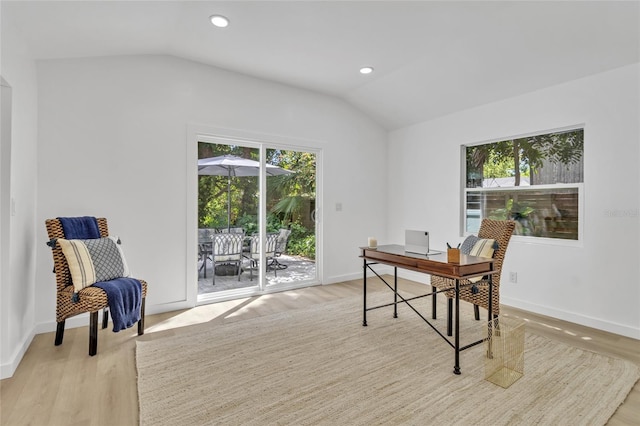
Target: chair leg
449, 316
476, 312
59, 333
93, 333
141, 322
105, 318
203, 266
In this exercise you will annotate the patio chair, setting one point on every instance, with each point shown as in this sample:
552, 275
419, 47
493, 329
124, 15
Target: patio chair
236, 230
281, 247
205, 236
90, 299
269, 251
478, 293
227, 249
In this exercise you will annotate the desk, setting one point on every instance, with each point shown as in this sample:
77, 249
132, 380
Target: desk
394, 255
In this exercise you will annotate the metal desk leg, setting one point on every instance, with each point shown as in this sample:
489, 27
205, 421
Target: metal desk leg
433, 302
364, 293
395, 292
456, 367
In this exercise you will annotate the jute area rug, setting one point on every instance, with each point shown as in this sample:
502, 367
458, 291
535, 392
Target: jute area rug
319, 365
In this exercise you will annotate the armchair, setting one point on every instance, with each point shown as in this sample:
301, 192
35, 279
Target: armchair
227, 249
90, 299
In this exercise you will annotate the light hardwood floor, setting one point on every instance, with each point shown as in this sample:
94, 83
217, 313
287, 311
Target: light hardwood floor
64, 386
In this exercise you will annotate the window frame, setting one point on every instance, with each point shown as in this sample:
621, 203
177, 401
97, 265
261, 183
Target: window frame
523, 238
529, 238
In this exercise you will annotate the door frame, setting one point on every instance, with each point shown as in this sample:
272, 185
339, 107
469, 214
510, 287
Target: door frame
209, 134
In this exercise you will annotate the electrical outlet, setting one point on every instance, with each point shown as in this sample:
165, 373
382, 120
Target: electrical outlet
513, 277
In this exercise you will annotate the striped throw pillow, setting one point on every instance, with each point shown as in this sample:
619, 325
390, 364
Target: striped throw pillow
484, 247
93, 260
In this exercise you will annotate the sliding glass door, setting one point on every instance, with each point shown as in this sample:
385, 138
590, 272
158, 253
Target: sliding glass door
291, 209
256, 219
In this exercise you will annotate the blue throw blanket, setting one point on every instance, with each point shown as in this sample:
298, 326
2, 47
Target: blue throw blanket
80, 228
125, 298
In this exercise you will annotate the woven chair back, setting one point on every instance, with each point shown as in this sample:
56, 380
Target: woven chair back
60, 265
501, 231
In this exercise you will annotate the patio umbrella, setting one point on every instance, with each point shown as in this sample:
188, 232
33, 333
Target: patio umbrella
230, 166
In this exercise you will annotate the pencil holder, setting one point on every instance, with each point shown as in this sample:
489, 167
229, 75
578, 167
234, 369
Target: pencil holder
453, 255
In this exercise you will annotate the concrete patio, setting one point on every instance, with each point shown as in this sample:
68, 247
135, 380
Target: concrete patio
298, 269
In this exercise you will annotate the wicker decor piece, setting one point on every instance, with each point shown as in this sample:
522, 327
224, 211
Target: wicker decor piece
91, 299
501, 231
504, 355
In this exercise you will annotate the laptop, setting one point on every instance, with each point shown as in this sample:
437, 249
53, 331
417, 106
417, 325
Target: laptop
418, 242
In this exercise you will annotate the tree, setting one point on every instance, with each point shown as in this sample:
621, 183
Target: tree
292, 191
525, 155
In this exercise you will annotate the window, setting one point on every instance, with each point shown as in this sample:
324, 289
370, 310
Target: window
534, 180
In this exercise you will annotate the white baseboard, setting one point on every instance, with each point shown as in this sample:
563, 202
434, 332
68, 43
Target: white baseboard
608, 326
7, 369
342, 278
82, 320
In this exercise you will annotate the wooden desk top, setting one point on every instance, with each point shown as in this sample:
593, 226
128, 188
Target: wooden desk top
394, 255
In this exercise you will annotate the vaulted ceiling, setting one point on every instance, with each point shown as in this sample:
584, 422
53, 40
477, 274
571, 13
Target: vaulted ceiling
430, 58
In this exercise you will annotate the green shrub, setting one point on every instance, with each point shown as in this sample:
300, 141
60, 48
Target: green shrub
302, 241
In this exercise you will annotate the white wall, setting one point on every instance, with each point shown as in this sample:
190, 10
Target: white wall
113, 135
597, 284
18, 270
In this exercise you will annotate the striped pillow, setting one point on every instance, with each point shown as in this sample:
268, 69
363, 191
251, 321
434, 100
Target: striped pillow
93, 260
484, 247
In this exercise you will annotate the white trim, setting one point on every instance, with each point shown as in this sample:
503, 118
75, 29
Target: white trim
262, 217
598, 324
6, 210
521, 238
9, 368
525, 188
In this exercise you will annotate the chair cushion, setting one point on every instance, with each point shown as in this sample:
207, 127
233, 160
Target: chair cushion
227, 258
93, 260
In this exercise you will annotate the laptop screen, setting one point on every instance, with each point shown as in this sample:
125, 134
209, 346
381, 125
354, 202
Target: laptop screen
416, 241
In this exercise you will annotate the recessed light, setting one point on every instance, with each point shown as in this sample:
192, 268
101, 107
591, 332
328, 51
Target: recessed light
219, 21
366, 70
